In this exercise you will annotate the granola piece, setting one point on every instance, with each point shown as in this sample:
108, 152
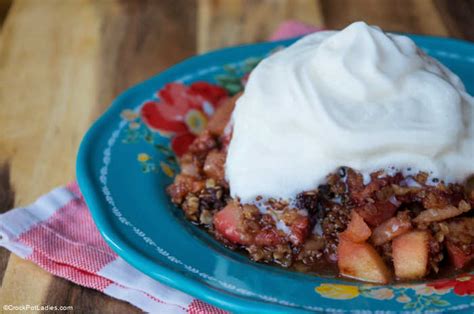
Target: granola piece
202, 145
190, 165
214, 165
440, 214
182, 186
312, 250
191, 207
334, 222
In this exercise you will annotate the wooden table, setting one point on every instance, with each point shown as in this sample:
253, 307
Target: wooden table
62, 62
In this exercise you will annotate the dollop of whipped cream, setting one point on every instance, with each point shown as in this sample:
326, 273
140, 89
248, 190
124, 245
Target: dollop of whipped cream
358, 97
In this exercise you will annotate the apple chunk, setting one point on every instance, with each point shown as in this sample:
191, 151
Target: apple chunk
361, 261
221, 116
357, 230
410, 253
391, 229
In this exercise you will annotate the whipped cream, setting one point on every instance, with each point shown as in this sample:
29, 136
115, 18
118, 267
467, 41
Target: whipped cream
357, 97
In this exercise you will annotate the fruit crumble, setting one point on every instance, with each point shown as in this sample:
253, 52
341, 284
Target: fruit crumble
393, 227
349, 153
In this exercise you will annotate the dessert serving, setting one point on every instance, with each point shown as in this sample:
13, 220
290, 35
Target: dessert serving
348, 153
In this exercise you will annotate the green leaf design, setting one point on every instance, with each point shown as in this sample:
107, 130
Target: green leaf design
227, 79
163, 149
233, 88
172, 160
252, 62
148, 138
438, 302
131, 136
247, 69
410, 305
230, 69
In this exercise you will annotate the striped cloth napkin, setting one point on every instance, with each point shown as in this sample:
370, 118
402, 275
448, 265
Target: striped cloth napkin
57, 233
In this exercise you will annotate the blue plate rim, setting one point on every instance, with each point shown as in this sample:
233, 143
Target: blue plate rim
130, 254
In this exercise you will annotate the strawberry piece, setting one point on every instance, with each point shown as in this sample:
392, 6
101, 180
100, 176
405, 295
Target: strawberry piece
299, 230
228, 224
457, 256
268, 237
376, 213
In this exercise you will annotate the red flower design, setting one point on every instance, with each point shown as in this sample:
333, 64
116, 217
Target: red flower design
183, 111
462, 284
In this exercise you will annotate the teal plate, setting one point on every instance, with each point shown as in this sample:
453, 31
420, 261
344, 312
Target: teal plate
125, 163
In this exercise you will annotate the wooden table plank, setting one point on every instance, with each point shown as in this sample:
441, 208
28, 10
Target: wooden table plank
62, 62
458, 15
4, 8
7, 201
49, 87
42, 117
411, 16
139, 39
229, 22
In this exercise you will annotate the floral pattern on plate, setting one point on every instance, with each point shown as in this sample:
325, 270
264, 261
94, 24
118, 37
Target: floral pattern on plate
413, 296
180, 112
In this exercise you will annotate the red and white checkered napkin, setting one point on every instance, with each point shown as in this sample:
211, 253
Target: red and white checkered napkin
57, 233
